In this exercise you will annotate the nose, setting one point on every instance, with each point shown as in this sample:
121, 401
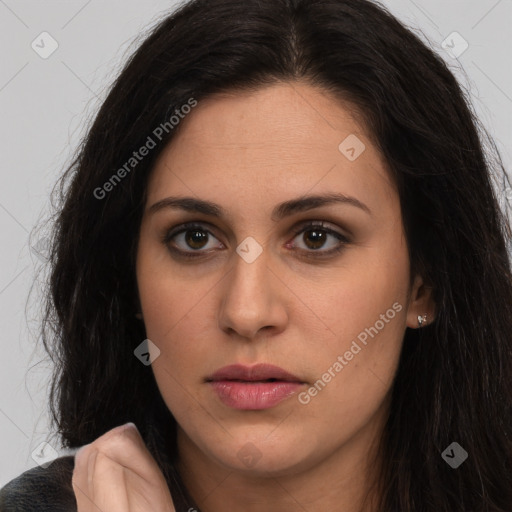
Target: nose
253, 299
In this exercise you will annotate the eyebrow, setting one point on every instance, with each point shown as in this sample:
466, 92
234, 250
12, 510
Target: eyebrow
280, 211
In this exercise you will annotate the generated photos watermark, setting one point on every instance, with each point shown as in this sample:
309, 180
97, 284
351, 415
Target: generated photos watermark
151, 142
454, 455
343, 360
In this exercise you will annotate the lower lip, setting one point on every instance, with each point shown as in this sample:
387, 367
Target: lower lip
253, 395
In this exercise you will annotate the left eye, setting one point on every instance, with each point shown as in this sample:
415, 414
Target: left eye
193, 238
314, 236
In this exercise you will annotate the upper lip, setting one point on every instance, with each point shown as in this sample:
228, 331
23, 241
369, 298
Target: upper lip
257, 372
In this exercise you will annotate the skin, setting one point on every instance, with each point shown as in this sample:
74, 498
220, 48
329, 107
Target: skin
117, 473
248, 152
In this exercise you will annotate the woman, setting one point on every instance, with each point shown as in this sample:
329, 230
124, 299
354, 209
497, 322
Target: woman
280, 255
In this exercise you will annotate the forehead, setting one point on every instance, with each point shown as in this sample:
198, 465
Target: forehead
281, 140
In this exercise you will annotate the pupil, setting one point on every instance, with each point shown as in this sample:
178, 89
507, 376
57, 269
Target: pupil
195, 240
317, 237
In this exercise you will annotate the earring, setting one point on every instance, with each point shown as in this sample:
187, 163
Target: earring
422, 320
138, 315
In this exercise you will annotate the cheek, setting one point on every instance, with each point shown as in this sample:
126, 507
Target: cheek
167, 294
353, 369
174, 316
366, 316
363, 289
176, 320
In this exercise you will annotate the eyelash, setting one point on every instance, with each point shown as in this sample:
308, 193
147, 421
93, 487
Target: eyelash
310, 226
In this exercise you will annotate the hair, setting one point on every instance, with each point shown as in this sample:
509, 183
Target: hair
454, 380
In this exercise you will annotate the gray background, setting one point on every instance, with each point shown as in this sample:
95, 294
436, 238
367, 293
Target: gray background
45, 107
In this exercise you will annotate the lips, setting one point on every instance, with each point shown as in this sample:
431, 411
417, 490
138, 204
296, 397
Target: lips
258, 387
257, 373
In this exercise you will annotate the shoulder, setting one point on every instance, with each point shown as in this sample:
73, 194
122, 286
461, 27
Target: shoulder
41, 489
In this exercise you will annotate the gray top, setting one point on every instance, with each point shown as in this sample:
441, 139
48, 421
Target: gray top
41, 489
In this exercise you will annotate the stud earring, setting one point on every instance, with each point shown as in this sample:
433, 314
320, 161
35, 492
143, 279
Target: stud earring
138, 315
422, 320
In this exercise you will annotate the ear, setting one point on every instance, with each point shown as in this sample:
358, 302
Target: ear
421, 303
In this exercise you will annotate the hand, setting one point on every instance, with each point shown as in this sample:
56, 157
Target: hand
116, 473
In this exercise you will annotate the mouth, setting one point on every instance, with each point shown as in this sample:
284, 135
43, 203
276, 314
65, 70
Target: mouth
253, 388
252, 381
257, 373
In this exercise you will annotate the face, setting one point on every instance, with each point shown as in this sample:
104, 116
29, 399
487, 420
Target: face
319, 288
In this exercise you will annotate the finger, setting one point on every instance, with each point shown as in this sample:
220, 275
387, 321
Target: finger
82, 485
99, 483
105, 468
124, 444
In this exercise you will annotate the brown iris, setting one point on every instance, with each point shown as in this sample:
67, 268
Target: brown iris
196, 239
316, 238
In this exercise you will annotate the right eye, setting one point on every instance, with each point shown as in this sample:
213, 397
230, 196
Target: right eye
189, 240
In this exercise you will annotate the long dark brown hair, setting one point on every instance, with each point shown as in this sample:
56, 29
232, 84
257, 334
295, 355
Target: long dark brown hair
454, 381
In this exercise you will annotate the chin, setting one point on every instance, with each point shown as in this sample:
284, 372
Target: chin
266, 459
